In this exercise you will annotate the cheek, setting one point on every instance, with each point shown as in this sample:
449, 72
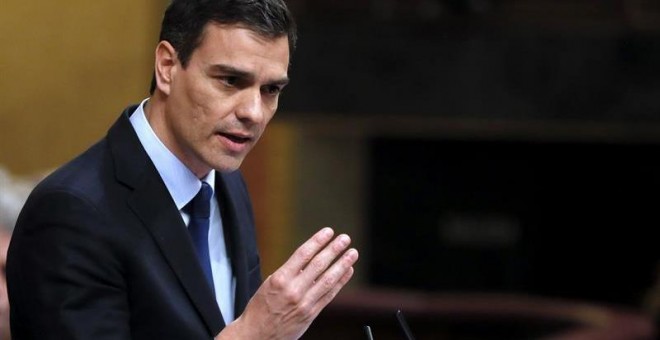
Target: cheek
269, 109
201, 126
203, 111
197, 94
272, 107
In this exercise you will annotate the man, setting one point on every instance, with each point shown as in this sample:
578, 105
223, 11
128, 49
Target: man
109, 246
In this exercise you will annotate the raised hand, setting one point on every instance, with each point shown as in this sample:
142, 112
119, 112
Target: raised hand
293, 296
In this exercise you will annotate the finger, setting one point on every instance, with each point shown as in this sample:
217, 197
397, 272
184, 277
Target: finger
306, 252
318, 265
330, 295
332, 278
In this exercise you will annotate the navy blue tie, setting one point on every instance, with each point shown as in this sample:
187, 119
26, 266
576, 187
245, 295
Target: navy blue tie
199, 209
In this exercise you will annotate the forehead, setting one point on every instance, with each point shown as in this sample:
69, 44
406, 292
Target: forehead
242, 47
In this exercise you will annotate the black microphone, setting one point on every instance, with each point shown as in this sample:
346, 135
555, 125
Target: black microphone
367, 330
404, 325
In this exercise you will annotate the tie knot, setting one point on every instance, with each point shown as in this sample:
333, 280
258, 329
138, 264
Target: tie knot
200, 205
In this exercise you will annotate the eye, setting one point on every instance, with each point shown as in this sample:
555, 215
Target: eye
230, 81
272, 90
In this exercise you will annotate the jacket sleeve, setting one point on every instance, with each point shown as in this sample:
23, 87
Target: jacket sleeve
64, 275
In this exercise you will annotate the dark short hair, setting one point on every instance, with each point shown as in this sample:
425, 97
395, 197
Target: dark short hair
184, 22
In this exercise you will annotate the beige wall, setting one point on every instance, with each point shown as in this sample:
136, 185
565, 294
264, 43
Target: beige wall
67, 69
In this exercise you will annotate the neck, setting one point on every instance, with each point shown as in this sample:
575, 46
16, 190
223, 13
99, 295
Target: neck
154, 110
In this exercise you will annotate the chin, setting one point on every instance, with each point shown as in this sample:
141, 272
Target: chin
226, 170
228, 165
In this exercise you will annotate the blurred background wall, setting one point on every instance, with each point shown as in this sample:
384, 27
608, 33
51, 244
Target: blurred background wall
501, 146
483, 145
67, 69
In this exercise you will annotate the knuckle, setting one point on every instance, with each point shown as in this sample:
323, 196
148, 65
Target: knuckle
328, 282
292, 296
278, 281
306, 254
305, 310
316, 265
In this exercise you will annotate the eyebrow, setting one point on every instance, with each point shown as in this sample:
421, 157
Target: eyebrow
236, 72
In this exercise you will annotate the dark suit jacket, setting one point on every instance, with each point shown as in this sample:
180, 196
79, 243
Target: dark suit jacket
100, 251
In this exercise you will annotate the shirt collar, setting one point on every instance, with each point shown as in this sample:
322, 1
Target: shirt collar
182, 183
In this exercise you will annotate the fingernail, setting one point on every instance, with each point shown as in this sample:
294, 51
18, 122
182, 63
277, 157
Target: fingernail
327, 232
352, 254
344, 240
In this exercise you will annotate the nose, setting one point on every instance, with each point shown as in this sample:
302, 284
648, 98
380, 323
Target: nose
250, 108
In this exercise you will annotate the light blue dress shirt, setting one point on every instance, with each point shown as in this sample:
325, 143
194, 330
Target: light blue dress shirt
183, 185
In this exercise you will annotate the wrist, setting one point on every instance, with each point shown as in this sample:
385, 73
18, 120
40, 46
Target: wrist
236, 330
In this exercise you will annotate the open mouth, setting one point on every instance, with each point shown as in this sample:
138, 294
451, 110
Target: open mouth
234, 138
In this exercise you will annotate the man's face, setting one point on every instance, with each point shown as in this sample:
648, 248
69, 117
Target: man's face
219, 105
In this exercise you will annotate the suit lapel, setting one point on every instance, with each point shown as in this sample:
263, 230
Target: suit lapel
152, 203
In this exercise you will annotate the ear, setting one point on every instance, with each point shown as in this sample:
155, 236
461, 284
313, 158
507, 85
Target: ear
165, 68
